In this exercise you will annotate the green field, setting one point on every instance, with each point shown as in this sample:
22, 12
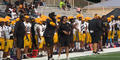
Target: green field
107, 56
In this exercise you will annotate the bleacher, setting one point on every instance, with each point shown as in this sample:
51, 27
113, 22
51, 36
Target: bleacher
47, 10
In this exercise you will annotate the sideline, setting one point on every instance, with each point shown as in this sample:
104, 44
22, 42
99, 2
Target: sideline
78, 54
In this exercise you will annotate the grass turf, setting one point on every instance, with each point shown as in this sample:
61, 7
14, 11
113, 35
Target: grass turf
107, 56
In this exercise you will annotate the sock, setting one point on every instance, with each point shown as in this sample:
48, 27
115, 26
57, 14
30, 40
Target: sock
113, 44
1, 55
118, 40
8, 56
77, 45
43, 52
72, 49
108, 44
63, 50
40, 53
54, 49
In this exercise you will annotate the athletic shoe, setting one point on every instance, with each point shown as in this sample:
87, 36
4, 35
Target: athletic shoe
25, 57
9, 59
96, 52
81, 50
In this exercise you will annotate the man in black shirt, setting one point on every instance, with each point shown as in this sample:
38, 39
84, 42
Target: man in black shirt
105, 28
34, 45
49, 33
64, 36
19, 33
95, 28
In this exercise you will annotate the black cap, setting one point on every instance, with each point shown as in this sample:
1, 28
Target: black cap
52, 14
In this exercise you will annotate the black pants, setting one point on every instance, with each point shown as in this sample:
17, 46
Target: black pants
34, 45
49, 41
104, 38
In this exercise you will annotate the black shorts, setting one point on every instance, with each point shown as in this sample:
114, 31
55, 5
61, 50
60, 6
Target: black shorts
20, 42
64, 42
95, 37
49, 41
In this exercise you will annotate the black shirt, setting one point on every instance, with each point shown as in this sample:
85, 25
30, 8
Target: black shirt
19, 29
50, 30
64, 27
105, 26
95, 25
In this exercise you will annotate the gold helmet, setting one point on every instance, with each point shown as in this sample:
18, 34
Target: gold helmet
109, 19
79, 15
87, 18
1, 19
58, 16
44, 18
119, 17
13, 22
17, 19
27, 17
6, 20
7, 17
70, 17
112, 16
38, 20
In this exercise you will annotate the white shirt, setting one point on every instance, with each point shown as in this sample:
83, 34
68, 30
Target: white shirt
28, 26
5, 30
1, 32
35, 28
14, 15
11, 9
41, 27
83, 27
78, 25
112, 25
38, 26
118, 24
36, 11
86, 23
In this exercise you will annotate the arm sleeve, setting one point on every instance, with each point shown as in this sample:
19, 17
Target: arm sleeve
51, 23
100, 25
15, 29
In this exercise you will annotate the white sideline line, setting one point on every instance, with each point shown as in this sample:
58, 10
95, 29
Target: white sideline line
77, 54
